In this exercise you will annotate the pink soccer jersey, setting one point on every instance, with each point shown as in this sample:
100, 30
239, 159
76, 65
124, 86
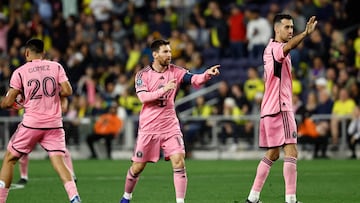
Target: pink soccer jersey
158, 113
278, 82
39, 80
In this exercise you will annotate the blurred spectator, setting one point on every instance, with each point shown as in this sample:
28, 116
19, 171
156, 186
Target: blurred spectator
321, 84
318, 70
345, 80
238, 94
119, 8
172, 17
69, 8
354, 92
258, 32
296, 83
237, 32
315, 44
159, 26
298, 106
118, 33
42, 33
344, 106
311, 103
176, 44
311, 132
196, 28
134, 55
121, 85
354, 132
324, 10
253, 84
87, 86
101, 9
216, 23
140, 28
247, 129
107, 126
5, 74
325, 103
223, 92
4, 28
45, 10
357, 49
71, 123
307, 7
60, 39
230, 127
197, 130
331, 77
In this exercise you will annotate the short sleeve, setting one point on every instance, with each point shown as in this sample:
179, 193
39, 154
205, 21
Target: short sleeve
278, 52
140, 82
62, 74
16, 81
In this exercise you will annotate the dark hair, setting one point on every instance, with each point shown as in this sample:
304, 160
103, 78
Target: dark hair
35, 45
155, 45
279, 17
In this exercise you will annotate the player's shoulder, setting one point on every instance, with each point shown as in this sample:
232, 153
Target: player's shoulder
53, 63
144, 70
174, 67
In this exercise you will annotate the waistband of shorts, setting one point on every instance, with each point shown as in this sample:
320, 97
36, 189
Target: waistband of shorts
42, 128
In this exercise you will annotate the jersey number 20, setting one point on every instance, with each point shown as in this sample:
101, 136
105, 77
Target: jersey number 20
46, 89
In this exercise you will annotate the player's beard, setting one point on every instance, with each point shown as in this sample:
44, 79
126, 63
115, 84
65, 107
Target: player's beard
165, 62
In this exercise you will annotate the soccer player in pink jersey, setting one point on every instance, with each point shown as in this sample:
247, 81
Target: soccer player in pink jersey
42, 83
156, 86
277, 124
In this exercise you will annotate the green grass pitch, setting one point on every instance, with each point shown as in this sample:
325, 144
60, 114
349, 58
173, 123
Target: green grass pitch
226, 181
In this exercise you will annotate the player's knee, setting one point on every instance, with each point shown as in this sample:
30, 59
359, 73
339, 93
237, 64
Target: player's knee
274, 157
178, 163
290, 151
137, 168
10, 158
273, 154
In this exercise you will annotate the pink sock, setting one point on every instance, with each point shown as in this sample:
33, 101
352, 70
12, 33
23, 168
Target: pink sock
290, 175
130, 181
180, 182
262, 173
68, 162
71, 189
23, 166
3, 194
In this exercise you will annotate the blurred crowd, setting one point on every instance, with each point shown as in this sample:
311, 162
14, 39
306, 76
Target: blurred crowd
103, 43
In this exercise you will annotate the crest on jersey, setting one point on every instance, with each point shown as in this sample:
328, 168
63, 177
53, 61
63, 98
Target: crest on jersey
294, 134
139, 82
139, 154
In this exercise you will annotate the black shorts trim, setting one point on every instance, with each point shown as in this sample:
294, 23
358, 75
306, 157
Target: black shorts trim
41, 128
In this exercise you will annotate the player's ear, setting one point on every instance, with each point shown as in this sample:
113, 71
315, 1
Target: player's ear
276, 27
26, 53
154, 54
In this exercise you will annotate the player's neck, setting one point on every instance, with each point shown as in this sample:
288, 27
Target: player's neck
158, 68
33, 57
278, 39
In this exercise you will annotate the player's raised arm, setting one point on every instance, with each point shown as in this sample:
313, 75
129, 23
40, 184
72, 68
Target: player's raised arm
213, 70
199, 79
295, 41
